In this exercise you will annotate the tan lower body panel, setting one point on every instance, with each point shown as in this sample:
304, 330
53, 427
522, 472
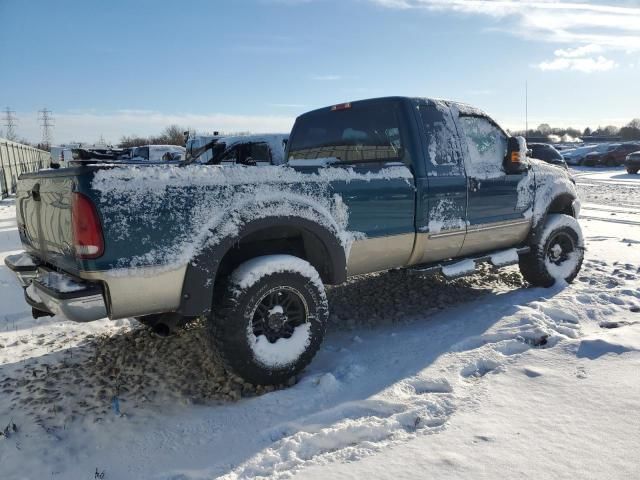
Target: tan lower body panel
378, 254
434, 247
141, 291
496, 235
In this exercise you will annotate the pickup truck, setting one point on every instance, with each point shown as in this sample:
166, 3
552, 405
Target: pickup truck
373, 185
262, 149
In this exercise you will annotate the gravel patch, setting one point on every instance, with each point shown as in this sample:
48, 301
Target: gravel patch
134, 370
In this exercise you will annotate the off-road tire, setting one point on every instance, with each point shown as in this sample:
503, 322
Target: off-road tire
230, 326
533, 265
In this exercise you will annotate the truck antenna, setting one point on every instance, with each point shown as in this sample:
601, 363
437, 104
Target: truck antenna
526, 110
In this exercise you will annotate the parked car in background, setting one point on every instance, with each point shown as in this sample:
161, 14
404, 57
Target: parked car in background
632, 162
62, 154
576, 156
158, 153
547, 153
267, 149
611, 155
368, 186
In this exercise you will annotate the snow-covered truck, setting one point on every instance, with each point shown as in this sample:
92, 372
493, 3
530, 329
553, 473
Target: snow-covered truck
427, 185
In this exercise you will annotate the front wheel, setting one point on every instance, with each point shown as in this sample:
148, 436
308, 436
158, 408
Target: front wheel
557, 254
271, 319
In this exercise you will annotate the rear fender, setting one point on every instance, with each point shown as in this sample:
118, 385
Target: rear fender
202, 271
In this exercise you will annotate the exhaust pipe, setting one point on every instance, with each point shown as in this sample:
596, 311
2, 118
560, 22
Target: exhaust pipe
36, 313
163, 324
161, 329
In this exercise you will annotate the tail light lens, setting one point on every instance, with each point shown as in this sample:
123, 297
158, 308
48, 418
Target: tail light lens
87, 231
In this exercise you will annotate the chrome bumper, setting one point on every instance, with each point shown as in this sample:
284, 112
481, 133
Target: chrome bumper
68, 297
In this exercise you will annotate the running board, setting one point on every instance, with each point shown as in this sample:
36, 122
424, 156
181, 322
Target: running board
467, 266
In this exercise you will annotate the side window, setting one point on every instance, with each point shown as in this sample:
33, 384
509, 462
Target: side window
259, 152
443, 152
487, 146
231, 155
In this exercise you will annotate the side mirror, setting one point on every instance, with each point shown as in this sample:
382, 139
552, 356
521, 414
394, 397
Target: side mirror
516, 160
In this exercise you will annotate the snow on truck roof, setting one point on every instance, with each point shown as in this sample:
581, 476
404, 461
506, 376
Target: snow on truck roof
462, 107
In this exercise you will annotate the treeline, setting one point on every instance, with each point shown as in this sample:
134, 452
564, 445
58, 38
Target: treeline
631, 131
172, 135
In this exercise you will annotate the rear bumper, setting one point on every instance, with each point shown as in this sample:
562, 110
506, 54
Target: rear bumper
58, 293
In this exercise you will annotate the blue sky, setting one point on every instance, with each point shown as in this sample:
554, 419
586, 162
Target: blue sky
119, 67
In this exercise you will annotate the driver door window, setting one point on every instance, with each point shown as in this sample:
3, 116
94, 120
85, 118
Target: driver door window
487, 147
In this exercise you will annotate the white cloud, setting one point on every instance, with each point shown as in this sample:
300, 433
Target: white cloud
612, 25
586, 64
88, 127
579, 51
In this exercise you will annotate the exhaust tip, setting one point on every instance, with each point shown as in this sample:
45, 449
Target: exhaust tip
162, 329
36, 313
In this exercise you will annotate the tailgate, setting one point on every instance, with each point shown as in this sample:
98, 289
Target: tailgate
43, 211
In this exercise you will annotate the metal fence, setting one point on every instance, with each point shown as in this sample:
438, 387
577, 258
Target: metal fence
16, 159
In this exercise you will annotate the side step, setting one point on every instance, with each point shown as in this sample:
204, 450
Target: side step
467, 266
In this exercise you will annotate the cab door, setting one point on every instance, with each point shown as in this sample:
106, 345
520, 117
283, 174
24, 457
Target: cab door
497, 200
441, 213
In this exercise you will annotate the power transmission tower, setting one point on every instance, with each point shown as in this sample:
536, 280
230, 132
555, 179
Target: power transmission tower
10, 123
46, 122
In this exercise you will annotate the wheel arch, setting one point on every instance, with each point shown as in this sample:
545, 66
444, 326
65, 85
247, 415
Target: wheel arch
564, 203
297, 236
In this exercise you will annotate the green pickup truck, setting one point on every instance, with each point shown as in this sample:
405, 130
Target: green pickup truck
368, 186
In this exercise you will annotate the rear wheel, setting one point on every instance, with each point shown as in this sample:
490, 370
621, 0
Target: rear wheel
632, 170
270, 320
557, 255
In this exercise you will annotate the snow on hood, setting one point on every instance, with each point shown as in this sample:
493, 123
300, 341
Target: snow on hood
201, 205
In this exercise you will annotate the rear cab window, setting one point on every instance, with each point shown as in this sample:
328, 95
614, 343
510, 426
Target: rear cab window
365, 132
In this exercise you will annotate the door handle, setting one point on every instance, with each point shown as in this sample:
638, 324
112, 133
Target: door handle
474, 184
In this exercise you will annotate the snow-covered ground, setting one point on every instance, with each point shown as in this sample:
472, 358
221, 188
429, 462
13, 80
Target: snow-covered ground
479, 377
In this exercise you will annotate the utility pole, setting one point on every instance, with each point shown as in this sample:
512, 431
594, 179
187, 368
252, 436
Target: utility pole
46, 122
10, 123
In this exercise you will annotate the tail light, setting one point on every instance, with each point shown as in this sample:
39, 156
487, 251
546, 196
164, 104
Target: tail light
87, 231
